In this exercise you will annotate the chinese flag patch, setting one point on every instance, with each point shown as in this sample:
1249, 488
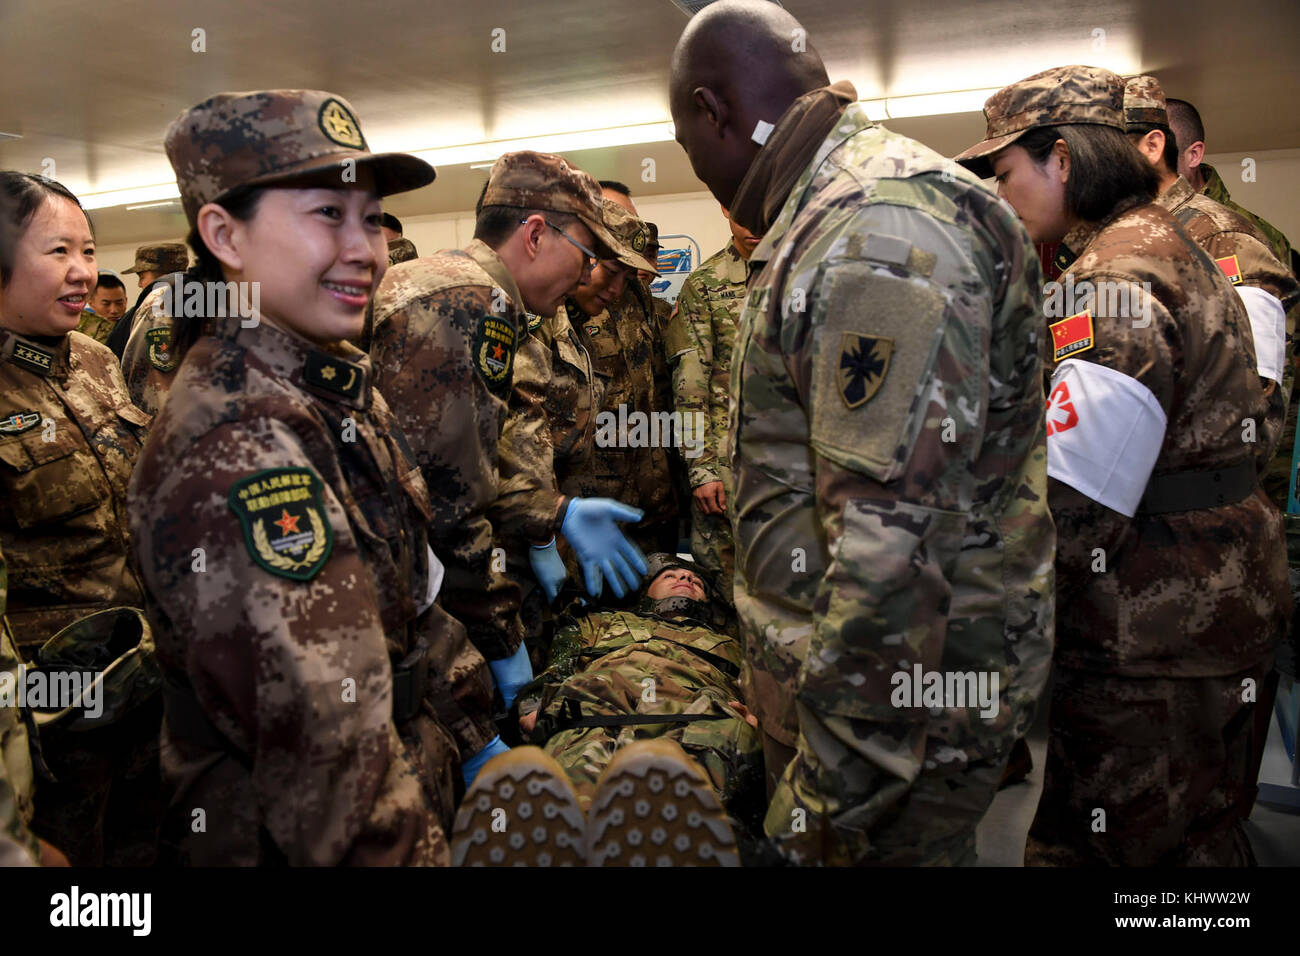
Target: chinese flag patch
1231, 268
1071, 336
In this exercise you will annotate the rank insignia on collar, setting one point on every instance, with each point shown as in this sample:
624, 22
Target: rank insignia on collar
864, 360
1071, 336
494, 352
1231, 268
334, 375
534, 322
32, 358
593, 330
19, 422
160, 349
285, 525
1064, 257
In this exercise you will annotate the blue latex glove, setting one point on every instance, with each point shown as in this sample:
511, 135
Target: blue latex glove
470, 768
548, 567
589, 526
512, 673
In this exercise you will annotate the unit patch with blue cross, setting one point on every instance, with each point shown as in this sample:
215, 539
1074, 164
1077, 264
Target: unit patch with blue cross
285, 525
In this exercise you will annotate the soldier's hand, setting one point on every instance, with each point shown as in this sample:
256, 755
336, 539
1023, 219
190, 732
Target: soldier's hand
527, 722
712, 499
590, 526
741, 709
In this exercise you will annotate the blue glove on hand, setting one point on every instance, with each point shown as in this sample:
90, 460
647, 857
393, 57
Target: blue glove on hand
470, 768
511, 673
602, 550
548, 567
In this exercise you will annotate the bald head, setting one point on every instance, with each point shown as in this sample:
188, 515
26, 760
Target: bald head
737, 62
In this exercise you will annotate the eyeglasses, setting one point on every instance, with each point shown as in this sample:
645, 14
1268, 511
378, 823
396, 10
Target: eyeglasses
591, 257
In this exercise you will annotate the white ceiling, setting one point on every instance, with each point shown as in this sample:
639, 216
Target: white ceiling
93, 86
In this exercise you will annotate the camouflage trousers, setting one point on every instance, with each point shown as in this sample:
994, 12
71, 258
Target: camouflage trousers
1160, 763
728, 750
712, 546
106, 806
933, 824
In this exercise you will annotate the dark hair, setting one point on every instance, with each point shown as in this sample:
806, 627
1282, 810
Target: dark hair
1105, 167
107, 280
496, 224
615, 186
393, 223
241, 202
1170, 153
21, 194
478, 205
1185, 114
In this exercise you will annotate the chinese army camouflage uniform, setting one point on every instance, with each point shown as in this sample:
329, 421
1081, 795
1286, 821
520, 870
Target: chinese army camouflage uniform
1216, 189
886, 443
548, 437
288, 571
445, 330
1245, 255
147, 361
665, 657
281, 524
701, 336
18, 845
95, 326
64, 531
625, 347
1171, 578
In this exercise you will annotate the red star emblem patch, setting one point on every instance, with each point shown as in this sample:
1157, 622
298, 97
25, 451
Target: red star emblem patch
288, 524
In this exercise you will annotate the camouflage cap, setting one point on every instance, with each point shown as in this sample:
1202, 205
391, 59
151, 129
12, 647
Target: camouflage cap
1144, 102
161, 257
633, 237
275, 136
401, 249
1063, 96
545, 181
113, 650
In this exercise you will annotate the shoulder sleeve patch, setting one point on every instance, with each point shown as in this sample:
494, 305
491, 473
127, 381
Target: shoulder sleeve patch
494, 352
1071, 336
159, 341
876, 339
283, 515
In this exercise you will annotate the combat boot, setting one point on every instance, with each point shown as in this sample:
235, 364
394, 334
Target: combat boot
655, 806
520, 811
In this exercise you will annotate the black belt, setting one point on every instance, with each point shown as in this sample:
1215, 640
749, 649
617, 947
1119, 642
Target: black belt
410, 678
1194, 490
570, 718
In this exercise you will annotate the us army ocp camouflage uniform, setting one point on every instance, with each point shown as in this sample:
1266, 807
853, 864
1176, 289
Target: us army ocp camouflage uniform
286, 565
701, 336
95, 326
887, 447
654, 660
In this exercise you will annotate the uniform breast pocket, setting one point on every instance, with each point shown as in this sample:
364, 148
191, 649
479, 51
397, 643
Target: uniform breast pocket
48, 481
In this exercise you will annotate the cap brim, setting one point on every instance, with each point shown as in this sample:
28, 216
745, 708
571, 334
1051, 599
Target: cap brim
978, 158
609, 246
394, 172
133, 269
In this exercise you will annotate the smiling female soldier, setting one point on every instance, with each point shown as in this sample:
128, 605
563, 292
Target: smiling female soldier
278, 517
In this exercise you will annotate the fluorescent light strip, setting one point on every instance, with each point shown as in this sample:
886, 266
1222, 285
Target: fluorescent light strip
133, 194
154, 205
937, 104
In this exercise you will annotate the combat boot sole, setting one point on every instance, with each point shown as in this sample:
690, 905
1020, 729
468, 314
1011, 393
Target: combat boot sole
654, 806
520, 811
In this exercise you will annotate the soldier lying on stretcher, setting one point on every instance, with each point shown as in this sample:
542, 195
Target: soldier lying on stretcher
663, 673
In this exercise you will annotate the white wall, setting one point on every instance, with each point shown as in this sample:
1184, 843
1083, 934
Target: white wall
1275, 195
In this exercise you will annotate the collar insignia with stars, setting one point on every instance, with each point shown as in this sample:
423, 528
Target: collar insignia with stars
334, 375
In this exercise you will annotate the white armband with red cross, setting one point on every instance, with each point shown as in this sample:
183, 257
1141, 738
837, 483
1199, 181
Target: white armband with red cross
1104, 432
1268, 328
